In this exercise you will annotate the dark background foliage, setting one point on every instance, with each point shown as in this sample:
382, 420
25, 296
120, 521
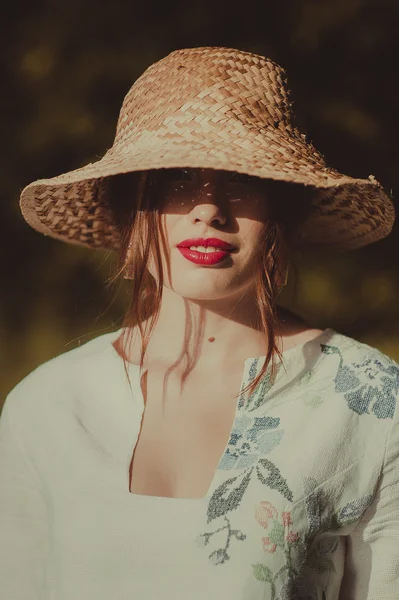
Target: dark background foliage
65, 69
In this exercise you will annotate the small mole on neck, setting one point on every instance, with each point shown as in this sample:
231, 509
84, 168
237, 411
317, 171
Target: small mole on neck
211, 339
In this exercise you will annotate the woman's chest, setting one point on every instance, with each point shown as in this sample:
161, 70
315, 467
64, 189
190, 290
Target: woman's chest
183, 435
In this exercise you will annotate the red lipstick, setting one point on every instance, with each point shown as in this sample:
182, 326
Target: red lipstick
205, 258
215, 242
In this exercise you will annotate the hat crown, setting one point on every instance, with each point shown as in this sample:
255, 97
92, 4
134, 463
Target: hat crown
207, 85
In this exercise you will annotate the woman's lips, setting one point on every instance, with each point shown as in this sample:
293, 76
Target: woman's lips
204, 258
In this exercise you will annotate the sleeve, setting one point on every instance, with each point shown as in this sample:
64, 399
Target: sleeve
372, 554
23, 518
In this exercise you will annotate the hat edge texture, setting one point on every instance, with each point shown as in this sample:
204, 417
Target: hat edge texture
233, 112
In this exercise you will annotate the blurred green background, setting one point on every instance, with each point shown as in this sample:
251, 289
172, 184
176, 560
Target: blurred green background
66, 67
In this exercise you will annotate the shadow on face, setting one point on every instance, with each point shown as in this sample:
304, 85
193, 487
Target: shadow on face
178, 190
238, 195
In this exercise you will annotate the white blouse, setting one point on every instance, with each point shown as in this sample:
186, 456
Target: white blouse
304, 503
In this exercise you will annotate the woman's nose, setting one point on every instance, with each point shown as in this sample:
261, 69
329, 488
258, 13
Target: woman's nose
208, 210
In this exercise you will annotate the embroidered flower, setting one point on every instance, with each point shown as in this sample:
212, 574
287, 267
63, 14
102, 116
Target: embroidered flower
268, 517
369, 386
251, 437
279, 539
264, 512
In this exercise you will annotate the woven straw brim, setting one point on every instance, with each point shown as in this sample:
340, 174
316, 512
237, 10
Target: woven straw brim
348, 213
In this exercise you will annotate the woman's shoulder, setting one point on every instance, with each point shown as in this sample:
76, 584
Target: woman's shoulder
57, 375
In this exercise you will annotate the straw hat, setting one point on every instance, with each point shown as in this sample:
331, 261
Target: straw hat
216, 108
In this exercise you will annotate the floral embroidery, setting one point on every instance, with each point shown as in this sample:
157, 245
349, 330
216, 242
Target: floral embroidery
260, 395
369, 386
251, 439
320, 542
280, 538
227, 497
318, 509
220, 555
353, 510
274, 480
297, 571
305, 559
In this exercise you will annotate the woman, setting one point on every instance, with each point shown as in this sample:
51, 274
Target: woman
216, 446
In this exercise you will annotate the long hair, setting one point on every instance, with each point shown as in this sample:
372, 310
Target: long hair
137, 219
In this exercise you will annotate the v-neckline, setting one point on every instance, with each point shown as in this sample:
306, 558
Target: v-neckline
136, 387
251, 364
